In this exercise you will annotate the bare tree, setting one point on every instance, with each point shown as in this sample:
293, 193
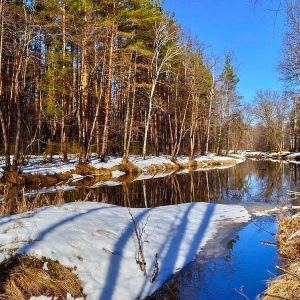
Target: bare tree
165, 49
272, 109
290, 58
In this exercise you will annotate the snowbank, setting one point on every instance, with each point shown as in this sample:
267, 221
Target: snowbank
99, 240
162, 163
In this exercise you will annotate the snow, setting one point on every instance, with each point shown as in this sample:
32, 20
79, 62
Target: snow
69, 297
150, 160
99, 240
117, 173
39, 165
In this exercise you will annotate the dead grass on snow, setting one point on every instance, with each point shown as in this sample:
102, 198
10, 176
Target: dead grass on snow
24, 276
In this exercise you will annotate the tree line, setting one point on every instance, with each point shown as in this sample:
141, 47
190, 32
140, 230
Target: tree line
122, 77
110, 77
276, 114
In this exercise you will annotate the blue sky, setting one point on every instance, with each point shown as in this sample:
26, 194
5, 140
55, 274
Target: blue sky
254, 35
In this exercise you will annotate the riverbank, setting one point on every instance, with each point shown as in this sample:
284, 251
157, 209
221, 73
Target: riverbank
287, 285
114, 251
43, 172
292, 157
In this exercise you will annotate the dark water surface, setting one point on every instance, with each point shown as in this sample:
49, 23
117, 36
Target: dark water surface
249, 182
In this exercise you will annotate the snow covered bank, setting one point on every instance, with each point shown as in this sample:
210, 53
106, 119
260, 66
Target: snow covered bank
100, 241
162, 163
41, 172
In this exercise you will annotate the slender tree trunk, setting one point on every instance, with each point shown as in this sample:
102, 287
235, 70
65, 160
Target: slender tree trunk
108, 94
129, 113
98, 93
64, 149
16, 96
84, 92
4, 125
148, 118
194, 125
16, 100
132, 116
211, 96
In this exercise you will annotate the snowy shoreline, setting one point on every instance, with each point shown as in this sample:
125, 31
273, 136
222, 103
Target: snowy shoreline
99, 240
58, 175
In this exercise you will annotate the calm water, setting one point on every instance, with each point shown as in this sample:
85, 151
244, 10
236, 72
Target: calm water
239, 273
249, 182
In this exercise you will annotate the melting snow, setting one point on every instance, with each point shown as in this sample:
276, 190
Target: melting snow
99, 239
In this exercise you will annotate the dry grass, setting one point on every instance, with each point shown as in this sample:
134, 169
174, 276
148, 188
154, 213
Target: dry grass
15, 203
169, 167
24, 276
12, 178
155, 169
86, 169
37, 180
227, 162
289, 248
287, 286
128, 168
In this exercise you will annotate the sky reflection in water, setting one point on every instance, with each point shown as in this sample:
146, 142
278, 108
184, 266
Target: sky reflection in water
243, 269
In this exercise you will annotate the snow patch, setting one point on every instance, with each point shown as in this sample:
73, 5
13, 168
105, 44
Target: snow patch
99, 239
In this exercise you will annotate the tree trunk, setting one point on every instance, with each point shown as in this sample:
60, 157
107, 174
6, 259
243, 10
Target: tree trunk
129, 114
2, 120
63, 136
108, 94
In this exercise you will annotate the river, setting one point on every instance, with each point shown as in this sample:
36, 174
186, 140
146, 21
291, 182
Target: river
251, 182
236, 267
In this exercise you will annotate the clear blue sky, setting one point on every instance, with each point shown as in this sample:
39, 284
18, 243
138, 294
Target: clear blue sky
253, 35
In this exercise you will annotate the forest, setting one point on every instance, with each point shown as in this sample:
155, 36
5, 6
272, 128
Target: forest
122, 77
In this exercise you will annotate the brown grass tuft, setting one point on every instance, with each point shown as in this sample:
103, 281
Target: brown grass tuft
289, 248
154, 169
37, 180
128, 168
12, 178
87, 169
22, 277
287, 286
14, 202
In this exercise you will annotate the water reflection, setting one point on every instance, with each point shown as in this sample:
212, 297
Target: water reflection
240, 273
251, 181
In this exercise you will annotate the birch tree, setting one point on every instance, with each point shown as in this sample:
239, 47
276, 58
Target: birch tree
165, 48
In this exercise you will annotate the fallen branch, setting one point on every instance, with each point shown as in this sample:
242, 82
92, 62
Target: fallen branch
140, 260
281, 209
241, 292
155, 270
288, 272
268, 243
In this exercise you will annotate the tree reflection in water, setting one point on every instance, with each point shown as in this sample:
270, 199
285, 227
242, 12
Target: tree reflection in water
241, 272
249, 182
